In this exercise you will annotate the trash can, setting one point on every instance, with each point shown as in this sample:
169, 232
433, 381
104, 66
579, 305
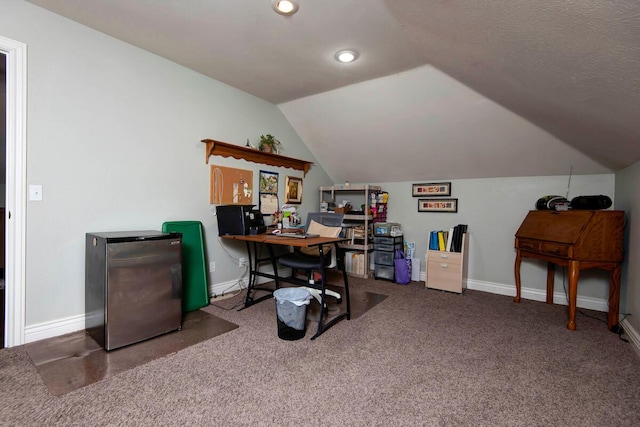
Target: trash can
291, 311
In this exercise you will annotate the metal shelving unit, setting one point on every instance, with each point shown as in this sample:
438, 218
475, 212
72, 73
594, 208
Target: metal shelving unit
365, 243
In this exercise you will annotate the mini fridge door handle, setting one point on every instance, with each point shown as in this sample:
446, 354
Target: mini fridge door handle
176, 281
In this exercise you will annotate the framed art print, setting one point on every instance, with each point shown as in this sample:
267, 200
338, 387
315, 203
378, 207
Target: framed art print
432, 189
268, 182
438, 205
294, 190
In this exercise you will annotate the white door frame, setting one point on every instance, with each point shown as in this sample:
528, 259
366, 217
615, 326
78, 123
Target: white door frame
15, 218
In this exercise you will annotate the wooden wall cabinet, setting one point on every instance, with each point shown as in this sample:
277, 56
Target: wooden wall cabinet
447, 271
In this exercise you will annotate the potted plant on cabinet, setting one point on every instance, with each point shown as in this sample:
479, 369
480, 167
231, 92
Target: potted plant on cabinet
269, 144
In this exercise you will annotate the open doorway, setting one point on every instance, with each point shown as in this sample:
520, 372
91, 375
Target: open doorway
14, 56
3, 184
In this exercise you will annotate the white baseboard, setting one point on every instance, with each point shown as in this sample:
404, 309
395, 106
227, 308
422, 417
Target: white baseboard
54, 328
219, 289
76, 323
632, 334
560, 298
59, 327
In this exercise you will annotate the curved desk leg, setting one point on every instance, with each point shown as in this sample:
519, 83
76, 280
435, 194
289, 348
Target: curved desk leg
517, 274
574, 273
551, 272
614, 296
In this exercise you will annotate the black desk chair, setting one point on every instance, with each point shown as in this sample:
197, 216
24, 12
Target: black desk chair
319, 259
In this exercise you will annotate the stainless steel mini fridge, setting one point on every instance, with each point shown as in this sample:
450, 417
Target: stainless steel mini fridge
133, 286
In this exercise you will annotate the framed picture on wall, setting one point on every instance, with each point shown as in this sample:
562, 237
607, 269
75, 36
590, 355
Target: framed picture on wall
438, 205
294, 190
432, 189
268, 203
268, 182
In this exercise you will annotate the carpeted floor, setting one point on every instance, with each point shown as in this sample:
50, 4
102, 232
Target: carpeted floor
75, 360
420, 357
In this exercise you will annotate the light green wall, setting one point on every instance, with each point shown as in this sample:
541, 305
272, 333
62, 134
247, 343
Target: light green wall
494, 208
113, 136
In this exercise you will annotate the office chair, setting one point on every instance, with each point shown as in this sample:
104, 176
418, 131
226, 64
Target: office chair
318, 259
328, 220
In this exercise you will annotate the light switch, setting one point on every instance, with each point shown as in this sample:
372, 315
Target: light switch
35, 193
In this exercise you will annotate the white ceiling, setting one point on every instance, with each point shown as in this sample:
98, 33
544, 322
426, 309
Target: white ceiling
442, 88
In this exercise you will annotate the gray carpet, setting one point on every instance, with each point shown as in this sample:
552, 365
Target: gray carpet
420, 357
75, 360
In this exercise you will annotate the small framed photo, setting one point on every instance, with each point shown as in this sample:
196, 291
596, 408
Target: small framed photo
438, 205
268, 182
432, 189
294, 190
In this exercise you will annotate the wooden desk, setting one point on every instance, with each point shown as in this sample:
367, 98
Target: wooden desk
269, 241
579, 240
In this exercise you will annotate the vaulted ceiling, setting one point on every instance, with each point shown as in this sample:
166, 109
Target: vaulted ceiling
442, 88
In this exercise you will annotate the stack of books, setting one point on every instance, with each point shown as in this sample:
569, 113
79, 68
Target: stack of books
355, 262
447, 240
354, 232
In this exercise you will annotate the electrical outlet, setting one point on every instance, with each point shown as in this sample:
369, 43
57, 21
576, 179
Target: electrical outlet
212, 266
241, 262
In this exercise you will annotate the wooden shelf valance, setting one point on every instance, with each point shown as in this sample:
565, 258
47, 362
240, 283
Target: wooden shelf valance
219, 148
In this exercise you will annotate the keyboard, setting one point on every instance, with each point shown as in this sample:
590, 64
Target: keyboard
297, 235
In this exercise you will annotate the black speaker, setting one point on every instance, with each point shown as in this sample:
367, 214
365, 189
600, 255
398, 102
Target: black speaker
549, 202
591, 202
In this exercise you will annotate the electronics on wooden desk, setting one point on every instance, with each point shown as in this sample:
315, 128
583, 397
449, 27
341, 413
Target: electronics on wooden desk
239, 220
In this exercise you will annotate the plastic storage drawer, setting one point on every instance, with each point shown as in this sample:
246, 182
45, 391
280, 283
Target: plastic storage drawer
388, 248
384, 258
386, 240
384, 272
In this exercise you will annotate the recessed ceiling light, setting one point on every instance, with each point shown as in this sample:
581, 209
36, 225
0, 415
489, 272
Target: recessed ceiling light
346, 56
285, 7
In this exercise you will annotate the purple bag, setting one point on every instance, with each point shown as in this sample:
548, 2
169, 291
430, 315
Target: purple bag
402, 267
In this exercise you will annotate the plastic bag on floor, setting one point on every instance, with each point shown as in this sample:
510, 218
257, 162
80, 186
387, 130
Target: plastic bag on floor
402, 267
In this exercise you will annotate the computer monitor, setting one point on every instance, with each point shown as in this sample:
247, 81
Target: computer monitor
324, 218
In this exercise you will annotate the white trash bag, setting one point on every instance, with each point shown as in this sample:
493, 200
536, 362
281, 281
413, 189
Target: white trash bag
291, 306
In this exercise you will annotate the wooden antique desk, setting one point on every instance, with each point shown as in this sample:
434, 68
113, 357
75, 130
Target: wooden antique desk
579, 240
268, 240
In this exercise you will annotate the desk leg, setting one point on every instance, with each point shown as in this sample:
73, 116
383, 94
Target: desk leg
340, 258
253, 257
340, 255
274, 264
551, 273
517, 274
614, 296
574, 273
253, 261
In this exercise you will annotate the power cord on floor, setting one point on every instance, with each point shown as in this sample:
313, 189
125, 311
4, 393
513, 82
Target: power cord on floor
617, 329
